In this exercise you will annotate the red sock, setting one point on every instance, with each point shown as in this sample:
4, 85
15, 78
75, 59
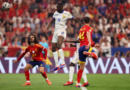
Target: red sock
44, 75
94, 56
79, 75
27, 75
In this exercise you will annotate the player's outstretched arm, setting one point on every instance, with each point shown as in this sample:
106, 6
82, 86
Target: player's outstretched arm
76, 41
52, 21
89, 40
20, 57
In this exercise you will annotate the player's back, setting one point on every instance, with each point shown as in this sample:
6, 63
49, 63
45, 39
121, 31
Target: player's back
83, 35
60, 19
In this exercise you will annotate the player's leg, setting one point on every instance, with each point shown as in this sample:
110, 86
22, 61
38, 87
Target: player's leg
91, 53
79, 74
55, 55
27, 75
61, 52
71, 73
41, 70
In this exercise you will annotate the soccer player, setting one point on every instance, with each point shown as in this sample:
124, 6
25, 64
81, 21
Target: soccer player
85, 50
37, 58
59, 17
75, 60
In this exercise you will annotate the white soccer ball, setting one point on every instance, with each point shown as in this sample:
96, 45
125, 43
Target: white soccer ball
5, 6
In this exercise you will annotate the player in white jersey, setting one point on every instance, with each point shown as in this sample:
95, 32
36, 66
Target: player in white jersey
75, 61
59, 17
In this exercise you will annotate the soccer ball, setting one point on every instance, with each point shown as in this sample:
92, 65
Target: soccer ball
5, 6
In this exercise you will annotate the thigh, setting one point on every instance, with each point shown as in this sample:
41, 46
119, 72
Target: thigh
41, 69
82, 57
32, 63
40, 64
28, 66
75, 58
82, 66
55, 37
60, 41
54, 46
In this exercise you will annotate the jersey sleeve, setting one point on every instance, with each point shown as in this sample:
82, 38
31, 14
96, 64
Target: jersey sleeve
43, 49
69, 15
26, 50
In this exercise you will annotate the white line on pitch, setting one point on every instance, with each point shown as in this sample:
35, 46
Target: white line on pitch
83, 88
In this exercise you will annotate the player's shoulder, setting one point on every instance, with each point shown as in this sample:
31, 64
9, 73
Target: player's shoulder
38, 45
66, 11
56, 13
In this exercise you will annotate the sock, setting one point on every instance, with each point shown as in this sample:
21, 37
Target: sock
55, 55
84, 77
71, 73
44, 75
79, 75
27, 76
94, 56
62, 56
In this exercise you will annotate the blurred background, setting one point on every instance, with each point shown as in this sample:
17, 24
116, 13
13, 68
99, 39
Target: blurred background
110, 20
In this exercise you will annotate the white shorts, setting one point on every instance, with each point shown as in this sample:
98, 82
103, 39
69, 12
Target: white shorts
75, 58
58, 33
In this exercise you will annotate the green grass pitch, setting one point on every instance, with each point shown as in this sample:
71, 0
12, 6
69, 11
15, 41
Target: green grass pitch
96, 81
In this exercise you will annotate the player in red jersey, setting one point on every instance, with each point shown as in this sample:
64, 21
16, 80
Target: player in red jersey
85, 50
37, 58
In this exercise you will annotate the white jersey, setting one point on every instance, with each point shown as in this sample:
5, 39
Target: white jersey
60, 19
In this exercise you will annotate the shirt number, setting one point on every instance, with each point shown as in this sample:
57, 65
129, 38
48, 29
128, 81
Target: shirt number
81, 35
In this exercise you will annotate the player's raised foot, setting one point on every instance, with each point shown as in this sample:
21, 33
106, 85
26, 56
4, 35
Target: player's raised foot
56, 68
49, 82
26, 84
68, 83
77, 86
85, 84
62, 66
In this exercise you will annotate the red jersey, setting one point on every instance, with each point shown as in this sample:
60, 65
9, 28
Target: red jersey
83, 35
36, 52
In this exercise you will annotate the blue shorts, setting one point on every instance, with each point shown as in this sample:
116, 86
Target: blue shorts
34, 63
82, 57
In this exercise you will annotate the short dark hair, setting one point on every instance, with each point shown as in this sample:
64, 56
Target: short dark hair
86, 19
35, 39
60, 4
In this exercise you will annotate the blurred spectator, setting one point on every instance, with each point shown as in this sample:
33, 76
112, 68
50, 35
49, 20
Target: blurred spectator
16, 42
17, 17
127, 54
25, 43
122, 54
6, 42
128, 30
120, 35
102, 9
44, 4
117, 54
1, 39
106, 48
124, 41
76, 10
2, 28
118, 30
96, 36
10, 34
84, 6
33, 6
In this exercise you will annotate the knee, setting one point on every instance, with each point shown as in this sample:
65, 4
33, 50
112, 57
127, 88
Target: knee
41, 71
25, 69
72, 64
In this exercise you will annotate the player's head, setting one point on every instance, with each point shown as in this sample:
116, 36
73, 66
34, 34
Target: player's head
32, 39
86, 20
60, 7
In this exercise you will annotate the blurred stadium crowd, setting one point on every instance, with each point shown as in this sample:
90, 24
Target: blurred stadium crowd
110, 20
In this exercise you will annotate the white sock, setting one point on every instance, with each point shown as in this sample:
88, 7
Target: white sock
71, 73
84, 76
46, 78
62, 56
28, 81
55, 55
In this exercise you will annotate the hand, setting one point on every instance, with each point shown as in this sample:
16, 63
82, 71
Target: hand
15, 61
44, 61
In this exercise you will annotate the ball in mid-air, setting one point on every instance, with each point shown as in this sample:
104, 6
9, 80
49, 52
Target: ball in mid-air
5, 6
